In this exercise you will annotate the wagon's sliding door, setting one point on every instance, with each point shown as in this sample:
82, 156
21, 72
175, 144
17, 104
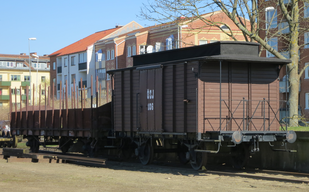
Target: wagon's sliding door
151, 100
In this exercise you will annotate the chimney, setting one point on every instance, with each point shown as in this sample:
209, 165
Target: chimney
45, 55
33, 53
22, 53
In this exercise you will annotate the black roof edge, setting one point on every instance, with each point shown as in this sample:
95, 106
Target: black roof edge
230, 58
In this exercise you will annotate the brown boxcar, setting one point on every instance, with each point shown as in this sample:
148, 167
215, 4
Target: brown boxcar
219, 92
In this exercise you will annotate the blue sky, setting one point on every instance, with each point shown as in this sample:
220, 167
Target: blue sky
58, 23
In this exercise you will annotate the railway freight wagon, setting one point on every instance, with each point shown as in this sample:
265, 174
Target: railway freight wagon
213, 98
197, 100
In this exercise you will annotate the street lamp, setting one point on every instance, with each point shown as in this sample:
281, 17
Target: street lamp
30, 39
37, 67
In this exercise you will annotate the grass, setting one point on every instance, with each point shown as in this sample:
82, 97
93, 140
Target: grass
22, 145
298, 128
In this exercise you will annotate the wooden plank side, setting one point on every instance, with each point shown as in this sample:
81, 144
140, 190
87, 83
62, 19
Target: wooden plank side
118, 101
168, 99
143, 100
126, 96
179, 87
135, 102
192, 68
158, 100
209, 96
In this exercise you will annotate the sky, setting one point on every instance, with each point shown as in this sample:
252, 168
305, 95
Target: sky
58, 23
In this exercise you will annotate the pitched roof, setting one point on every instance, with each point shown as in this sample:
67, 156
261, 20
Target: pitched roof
82, 44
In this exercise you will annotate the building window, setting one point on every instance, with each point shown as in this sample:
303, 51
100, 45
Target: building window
103, 56
0, 77
306, 10
129, 51
15, 77
27, 78
112, 54
20, 65
284, 28
307, 100
43, 79
307, 71
134, 50
273, 42
73, 78
15, 93
98, 55
108, 55
43, 92
59, 61
142, 49
54, 66
306, 38
169, 42
72, 60
202, 42
82, 57
10, 64
25, 91
65, 61
271, 17
158, 47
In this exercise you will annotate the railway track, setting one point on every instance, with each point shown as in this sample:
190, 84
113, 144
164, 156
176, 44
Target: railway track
273, 175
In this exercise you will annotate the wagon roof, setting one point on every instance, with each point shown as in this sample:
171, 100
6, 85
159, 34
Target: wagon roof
221, 51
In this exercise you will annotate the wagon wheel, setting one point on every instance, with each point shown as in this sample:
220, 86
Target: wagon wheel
198, 160
182, 153
240, 156
15, 141
146, 154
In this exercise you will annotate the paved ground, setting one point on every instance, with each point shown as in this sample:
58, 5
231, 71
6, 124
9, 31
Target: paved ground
115, 176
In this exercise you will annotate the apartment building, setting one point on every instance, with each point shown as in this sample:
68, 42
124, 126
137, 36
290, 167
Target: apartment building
16, 74
276, 32
76, 62
116, 52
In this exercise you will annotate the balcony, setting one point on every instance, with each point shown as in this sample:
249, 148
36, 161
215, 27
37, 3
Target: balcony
5, 97
5, 83
25, 83
84, 84
59, 69
23, 97
82, 66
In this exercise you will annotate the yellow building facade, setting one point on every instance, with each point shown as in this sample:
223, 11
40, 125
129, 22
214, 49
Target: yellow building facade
16, 75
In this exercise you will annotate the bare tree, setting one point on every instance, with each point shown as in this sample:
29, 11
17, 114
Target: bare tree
265, 20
